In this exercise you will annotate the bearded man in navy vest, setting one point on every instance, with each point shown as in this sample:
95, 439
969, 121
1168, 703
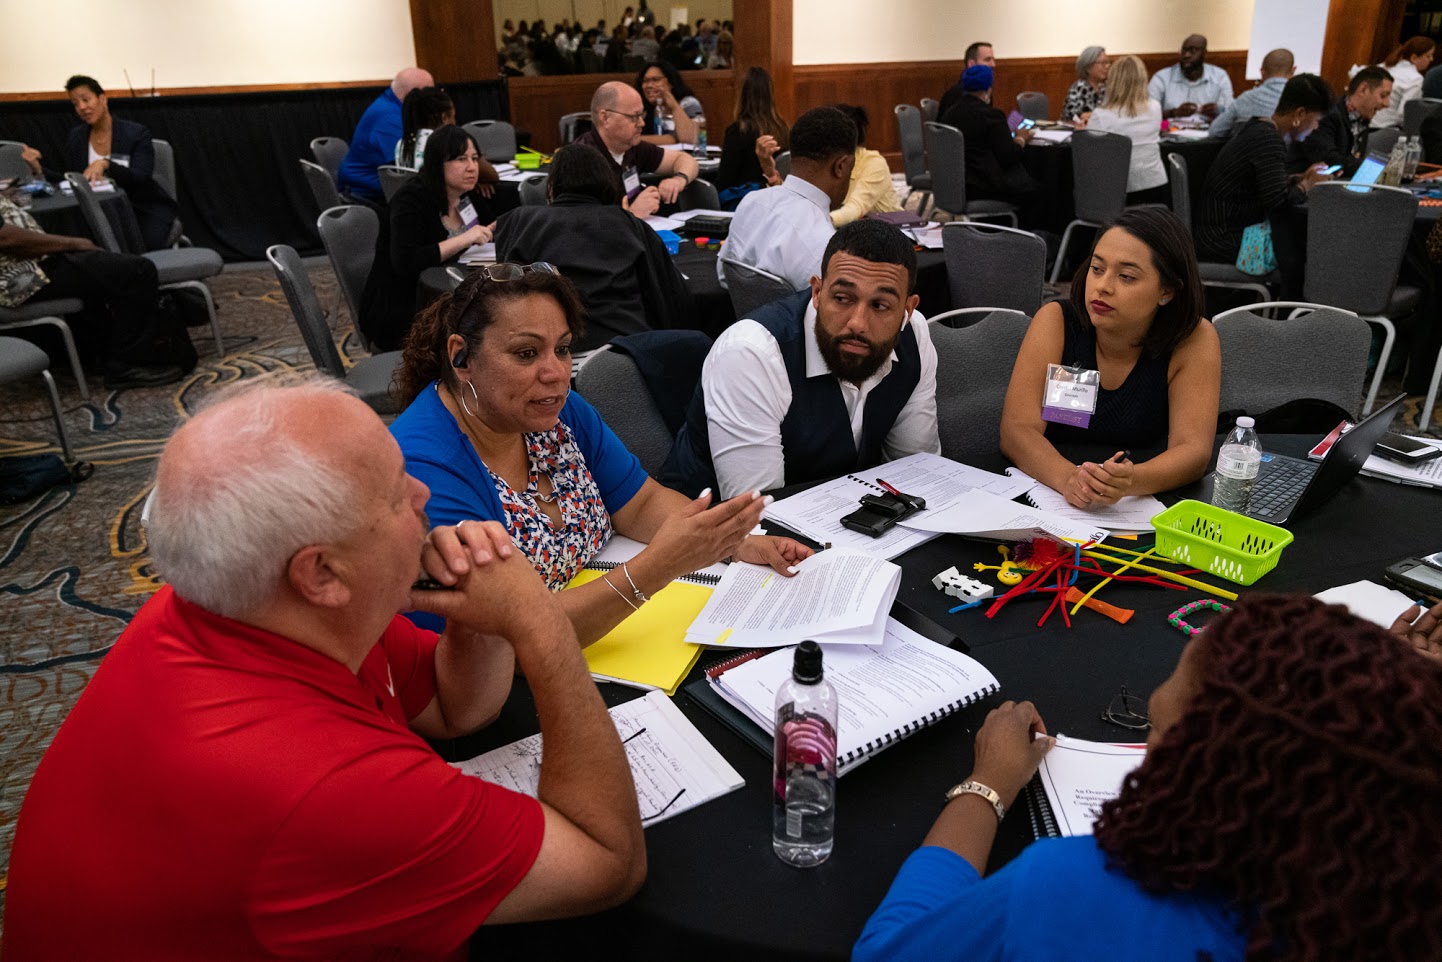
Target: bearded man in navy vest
827, 381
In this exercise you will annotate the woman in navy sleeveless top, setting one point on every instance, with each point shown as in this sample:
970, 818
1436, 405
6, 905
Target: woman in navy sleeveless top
1134, 316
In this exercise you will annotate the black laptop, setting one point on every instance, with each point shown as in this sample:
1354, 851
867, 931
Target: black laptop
1291, 487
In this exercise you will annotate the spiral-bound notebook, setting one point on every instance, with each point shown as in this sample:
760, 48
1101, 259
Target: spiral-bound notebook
1075, 779
886, 692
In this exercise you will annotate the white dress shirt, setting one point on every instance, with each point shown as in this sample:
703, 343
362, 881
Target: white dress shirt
782, 230
1406, 85
1171, 89
748, 394
1145, 132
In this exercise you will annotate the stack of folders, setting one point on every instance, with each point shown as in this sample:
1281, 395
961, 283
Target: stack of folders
886, 692
1076, 778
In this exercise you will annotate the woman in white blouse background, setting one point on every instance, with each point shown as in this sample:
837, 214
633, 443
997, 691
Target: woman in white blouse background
1129, 111
1406, 64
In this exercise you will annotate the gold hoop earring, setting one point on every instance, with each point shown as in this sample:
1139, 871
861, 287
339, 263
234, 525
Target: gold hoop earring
462, 398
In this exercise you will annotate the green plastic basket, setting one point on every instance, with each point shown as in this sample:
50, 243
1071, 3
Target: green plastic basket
1227, 544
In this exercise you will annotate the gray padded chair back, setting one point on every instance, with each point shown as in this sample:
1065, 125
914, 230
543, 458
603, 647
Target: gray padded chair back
947, 153
533, 191
1100, 163
300, 295
349, 234
1382, 141
751, 287
165, 168
20, 359
322, 185
1181, 184
1267, 362
329, 152
587, 61
973, 369
95, 218
700, 194
495, 138
12, 164
930, 106
571, 125
913, 144
612, 383
988, 265
1414, 112
1355, 243
1033, 105
393, 178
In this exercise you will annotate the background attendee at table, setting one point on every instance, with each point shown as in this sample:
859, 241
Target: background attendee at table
756, 117
1090, 88
1129, 111
1341, 134
120, 293
1261, 100
1248, 183
619, 115
870, 190
1283, 812
839, 377
979, 52
493, 430
668, 97
645, 45
365, 843
721, 55
424, 110
615, 57
374, 142
122, 150
994, 169
426, 226
1192, 86
1407, 63
784, 230
619, 265
1134, 315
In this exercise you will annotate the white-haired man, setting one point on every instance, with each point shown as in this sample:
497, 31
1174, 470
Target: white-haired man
374, 141
245, 776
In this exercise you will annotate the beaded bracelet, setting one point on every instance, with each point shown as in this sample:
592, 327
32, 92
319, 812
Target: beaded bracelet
1178, 617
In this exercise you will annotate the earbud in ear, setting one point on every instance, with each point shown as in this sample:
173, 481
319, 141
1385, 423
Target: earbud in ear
459, 360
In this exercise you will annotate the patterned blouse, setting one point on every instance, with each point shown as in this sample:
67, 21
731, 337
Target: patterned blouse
558, 552
1082, 98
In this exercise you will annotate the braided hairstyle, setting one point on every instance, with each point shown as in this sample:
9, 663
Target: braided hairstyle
1303, 782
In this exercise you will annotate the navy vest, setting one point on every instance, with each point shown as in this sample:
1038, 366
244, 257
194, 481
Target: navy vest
816, 431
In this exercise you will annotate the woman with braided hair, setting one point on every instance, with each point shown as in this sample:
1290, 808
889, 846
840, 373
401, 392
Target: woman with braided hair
1286, 811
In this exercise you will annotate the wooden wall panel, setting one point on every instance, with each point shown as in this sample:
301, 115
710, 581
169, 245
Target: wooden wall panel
538, 103
455, 39
764, 39
1358, 31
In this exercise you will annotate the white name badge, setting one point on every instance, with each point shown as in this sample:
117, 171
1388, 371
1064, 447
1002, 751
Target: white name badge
1070, 396
469, 217
631, 180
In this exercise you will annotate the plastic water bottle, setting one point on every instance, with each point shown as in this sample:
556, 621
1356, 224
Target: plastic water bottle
1392, 173
1414, 158
700, 150
803, 811
1237, 466
658, 123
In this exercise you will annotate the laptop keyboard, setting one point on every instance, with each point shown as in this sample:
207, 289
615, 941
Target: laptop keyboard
1279, 487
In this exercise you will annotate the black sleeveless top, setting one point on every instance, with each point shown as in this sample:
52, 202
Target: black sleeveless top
1135, 414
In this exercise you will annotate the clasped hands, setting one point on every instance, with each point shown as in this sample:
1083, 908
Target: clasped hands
1093, 484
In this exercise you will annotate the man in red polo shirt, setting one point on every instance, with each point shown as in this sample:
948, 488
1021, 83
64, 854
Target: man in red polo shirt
245, 776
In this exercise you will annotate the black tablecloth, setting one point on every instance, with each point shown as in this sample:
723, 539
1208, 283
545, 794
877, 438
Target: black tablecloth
60, 214
716, 890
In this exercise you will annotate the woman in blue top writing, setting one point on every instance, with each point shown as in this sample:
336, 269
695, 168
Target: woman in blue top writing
1134, 321
494, 431
1286, 811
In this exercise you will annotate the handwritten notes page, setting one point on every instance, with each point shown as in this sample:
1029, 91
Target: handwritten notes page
1080, 776
674, 767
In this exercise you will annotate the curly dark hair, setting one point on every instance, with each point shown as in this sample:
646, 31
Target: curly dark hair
1302, 783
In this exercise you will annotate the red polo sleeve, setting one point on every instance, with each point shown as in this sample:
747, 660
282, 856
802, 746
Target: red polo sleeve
411, 653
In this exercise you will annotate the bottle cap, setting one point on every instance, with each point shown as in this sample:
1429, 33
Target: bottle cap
806, 668
1246, 422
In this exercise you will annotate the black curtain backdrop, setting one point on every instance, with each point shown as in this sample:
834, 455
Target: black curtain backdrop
241, 189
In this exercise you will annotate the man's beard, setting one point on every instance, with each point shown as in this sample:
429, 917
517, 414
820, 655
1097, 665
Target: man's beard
855, 368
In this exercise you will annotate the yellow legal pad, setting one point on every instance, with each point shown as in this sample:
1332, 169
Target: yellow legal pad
649, 648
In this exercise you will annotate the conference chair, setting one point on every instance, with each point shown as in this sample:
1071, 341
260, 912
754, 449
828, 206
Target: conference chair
587, 61
533, 191
571, 125
329, 152
633, 63
496, 139
930, 107
1315, 352
1213, 273
322, 185
1100, 163
43, 313
991, 266
165, 176
1416, 112
946, 147
1382, 141
1356, 240
751, 287
178, 267
21, 359
12, 163
369, 377
700, 194
973, 369
913, 152
1033, 105
393, 178
349, 235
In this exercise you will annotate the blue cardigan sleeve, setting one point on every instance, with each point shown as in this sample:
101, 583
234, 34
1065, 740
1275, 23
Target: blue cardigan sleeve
913, 921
